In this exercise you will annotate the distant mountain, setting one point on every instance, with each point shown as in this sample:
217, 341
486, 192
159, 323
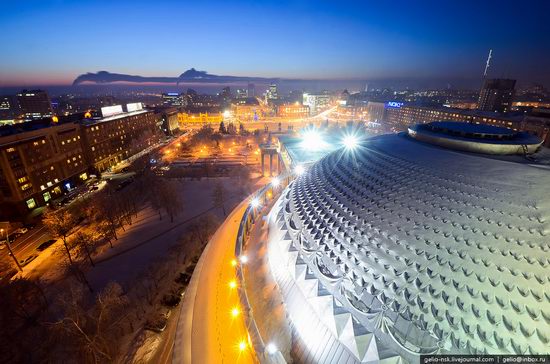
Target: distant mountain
192, 75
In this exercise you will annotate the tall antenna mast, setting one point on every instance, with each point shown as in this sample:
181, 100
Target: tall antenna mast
488, 63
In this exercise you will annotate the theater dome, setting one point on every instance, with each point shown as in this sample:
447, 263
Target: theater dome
401, 248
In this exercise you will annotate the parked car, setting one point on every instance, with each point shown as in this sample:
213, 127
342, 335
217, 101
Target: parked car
171, 300
157, 323
21, 230
27, 260
45, 245
183, 278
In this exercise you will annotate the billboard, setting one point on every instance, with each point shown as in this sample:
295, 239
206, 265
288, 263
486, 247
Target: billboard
135, 106
394, 104
111, 110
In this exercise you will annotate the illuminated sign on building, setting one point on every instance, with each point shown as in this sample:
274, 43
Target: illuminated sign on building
394, 104
111, 110
134, 106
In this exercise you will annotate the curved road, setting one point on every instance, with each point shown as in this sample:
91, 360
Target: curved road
208, 331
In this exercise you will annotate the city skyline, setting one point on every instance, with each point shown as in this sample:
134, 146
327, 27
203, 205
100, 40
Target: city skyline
299, 40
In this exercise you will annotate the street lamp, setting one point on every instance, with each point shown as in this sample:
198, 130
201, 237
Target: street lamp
7, 242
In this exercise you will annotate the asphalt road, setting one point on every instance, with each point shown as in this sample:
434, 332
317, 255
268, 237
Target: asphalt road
26, 244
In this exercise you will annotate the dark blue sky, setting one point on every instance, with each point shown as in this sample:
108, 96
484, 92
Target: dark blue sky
51, 42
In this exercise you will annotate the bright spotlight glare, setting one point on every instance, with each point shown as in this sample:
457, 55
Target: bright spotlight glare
271, 348
243, 259
350, 142
299, 170
275, 182
312, 140
255, 203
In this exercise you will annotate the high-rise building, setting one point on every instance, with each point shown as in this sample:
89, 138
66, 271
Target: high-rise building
316, 102
173, 99
8, 107
271, 93
251, 90
496, 95
242, 93
34, 104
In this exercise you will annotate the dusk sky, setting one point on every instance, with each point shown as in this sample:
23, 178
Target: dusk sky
52, 42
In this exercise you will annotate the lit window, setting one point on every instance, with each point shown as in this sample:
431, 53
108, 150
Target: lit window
31, 204
47, 196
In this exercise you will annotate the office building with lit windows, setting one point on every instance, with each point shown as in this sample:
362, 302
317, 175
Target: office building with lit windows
496, 95
293, 111
316, 102
39, 165
43, 159
34, 104
173, 99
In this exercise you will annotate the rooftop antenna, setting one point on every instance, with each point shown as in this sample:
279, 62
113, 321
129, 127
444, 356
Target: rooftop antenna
488, 63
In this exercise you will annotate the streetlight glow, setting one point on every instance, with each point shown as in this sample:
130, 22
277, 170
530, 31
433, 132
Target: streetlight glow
243, 259
242, 345
235, 312
233, 262
233, 284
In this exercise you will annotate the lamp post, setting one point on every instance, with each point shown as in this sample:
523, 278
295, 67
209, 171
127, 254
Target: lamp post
7, 242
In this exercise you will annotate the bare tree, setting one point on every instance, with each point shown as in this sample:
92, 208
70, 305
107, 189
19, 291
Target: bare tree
93, 335
60, 223
219, 196
164, 195
23, 339
86, 245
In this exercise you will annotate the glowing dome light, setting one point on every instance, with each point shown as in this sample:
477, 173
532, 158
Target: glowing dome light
271, 348
350, 141
255, 203
299, 169
312, 139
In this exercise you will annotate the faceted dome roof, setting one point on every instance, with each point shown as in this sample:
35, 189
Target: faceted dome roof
430, 249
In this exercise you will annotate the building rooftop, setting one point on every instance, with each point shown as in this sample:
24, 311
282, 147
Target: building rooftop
476, 138
403, 248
